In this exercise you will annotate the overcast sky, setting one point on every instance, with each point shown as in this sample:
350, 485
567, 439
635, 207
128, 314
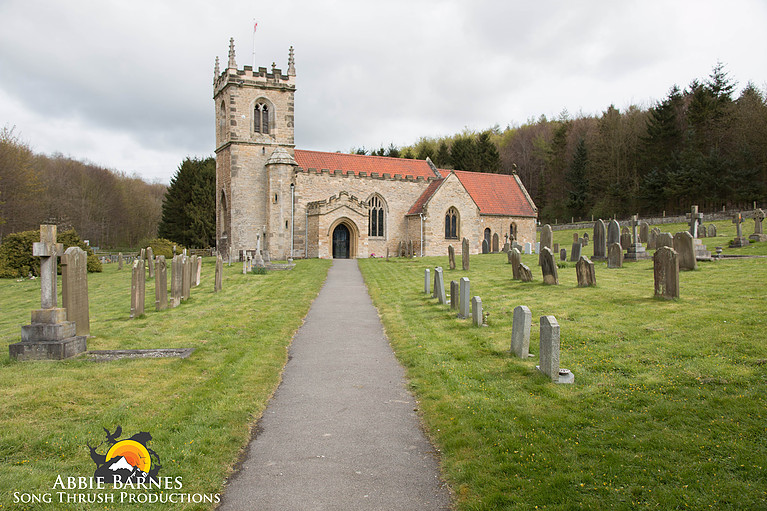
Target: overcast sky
128, 84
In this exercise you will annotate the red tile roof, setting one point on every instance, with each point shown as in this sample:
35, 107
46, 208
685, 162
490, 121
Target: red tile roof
425, 196
357, 163
496, 194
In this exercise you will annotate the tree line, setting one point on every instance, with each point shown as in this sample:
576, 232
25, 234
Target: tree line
108, 208
700, 145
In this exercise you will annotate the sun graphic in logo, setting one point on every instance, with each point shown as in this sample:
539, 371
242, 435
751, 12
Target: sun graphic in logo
134, 453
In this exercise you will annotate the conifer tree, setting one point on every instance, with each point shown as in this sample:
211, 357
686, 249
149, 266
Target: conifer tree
189, 207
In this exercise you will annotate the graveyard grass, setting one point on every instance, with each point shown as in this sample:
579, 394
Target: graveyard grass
198, 410
669, 405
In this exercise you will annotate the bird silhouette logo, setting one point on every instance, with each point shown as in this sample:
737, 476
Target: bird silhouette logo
126, 461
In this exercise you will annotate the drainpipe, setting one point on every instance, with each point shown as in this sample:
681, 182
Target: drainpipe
421, 216
306, 233
292, 212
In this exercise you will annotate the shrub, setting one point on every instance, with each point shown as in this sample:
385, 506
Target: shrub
16, 259
162, 247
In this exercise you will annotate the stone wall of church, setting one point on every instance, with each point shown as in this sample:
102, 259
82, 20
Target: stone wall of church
450, 194
502, 225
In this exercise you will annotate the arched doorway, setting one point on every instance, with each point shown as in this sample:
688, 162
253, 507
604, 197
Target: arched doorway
341, 241
486, 243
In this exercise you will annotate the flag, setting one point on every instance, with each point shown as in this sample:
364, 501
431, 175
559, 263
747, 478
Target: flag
255, 26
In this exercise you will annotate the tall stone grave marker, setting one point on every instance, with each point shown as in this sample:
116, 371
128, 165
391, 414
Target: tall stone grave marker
465, 254
758, 229
485, 247
160, 284
652, 238
454, 295
695, 219
528, 248
138, 288
520, 331
150, 261
218, 284
186, 278
740, 240
600, 240
198, 272
515, 258
464, 307
476, 311
613, 232
451, 257
683, 246
49, 336
636, 250
496, 243
575, 252
615, 256
549, 267
74, 288
547, 240
666, 273
120, 261
644, 232
549, 351
439, 286
584, 270
176, 280
426, 281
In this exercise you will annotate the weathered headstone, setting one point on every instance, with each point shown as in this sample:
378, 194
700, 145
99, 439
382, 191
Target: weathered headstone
525, 275
644, 232
400, 251
528, 248
576, 238
549, 351
176, 280
575, 252
537, 247
702, 231
549, 267
740, 240
451, 257
410, 249
496, 243
563, 254
636, 250
613, 232
600, 240
219, 274
476, 311
683, 246
485, 247
758, 229
664, 239
439, 286
120, 261
625, 239
150, 261
186, 279
615, 256
49, 336
547, 240
198, 271
520, 331
712, 231
74, 288
515, 258
652, 238
666, 273
464, 307
138, 288
465, 254
555, 248
585, 239
454, 295
427, 281
584, 270
160, 284
244, 264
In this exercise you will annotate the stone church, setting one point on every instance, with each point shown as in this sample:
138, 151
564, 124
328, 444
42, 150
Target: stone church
299, 204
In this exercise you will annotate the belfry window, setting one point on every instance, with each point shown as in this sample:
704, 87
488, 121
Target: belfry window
261, 118
451, 224
376, 217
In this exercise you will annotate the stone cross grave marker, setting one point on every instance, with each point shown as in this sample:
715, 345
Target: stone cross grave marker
758, 229
636, 250
47, 249
520, 331
74, 288
694, 219
160, 284
465, 302
740, 240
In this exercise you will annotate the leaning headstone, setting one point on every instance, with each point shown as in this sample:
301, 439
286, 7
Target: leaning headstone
138, 289
615, 256
712, 231
426, 281
664, 239
454, 296
74, 288
176, 280
464, 307
476, 311
613, 232
549, 267
219, 274
584, 270
563, 254
758, 229
525, 275
160, 284
575, 252
528, 248
600, 240
549, 351
666, 273
451, 257
520, 331
683, 246
439, 286
547, 240
150, 261
465, 254
644, 232
740, 240
515, 258
485, 247
49, 336
120, 261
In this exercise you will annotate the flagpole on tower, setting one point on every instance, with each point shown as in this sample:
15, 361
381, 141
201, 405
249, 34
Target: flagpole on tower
255, 26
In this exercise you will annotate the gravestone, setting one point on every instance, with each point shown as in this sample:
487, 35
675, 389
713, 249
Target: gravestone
485, 247
537, 247
702, 231
644, 232
439, 286
547, 240
740, 240
600, 240
74, 288
495, 243
528, 248
244, 264
585, 239
520, 331
664, 239
49, 336
186, 277
548, 352
410, 249
426, 281
652, 238
576, 239
120, 261
465, 254
451, 257
525, 275
476, 311
575, 252
160, 284
694, 219
150, 261
198, 271
636, 250
584, 270
176, 280
613, 232
625, 239
508, 255
615, 256
399, 249
464, 307
563, 254
555, 248
515, 258
758, 229
138, 289
666, 273
219, 281
549, 267
683, 246
454, 295
712, 231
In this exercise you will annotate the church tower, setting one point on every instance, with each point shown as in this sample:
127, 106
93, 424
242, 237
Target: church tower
254, 157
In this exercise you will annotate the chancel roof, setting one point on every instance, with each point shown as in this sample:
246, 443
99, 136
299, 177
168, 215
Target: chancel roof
357, 163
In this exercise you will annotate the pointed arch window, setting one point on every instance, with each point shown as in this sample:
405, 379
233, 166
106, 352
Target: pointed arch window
261, 118
452, 224
376, 220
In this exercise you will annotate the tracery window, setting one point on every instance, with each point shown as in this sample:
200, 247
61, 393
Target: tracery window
376, 216
451, 224
261, 118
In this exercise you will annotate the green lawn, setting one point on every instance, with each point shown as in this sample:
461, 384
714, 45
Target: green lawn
199, 410
668, 409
